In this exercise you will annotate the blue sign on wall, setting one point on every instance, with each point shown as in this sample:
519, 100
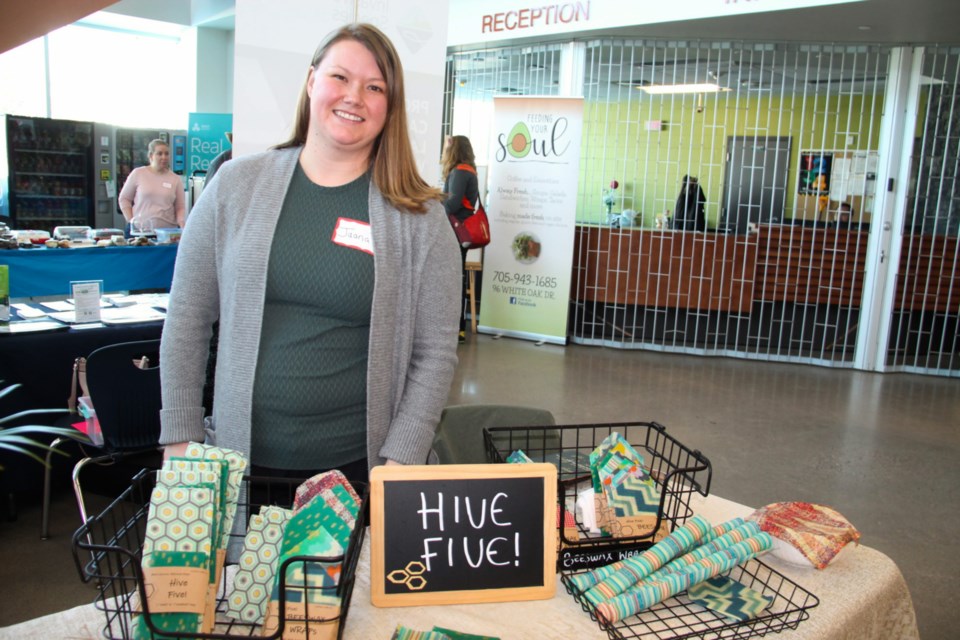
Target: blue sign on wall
206, 138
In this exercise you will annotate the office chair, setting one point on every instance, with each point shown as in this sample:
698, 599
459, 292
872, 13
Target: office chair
459, 438
126, 399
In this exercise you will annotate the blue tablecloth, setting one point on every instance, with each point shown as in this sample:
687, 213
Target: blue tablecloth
48, 272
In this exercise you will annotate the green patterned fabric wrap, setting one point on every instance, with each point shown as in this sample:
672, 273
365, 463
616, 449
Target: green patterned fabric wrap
192, 473
258, 563
612, 444
178, 533
314, 582
646, 595
741, 533
171, 622
237, 463
607, 581
457, 635
402, 633
198, 465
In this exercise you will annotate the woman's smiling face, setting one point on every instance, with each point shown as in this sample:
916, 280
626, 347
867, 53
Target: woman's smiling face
348, 99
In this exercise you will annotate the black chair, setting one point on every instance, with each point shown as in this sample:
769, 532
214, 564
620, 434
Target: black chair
459, 438
125, 392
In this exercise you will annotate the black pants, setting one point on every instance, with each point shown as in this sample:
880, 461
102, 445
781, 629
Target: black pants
463, 290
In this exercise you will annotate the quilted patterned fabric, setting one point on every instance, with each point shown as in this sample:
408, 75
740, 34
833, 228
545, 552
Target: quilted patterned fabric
817, 531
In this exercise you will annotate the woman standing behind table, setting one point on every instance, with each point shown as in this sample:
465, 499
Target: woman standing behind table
152, 197
331, 268
459, 170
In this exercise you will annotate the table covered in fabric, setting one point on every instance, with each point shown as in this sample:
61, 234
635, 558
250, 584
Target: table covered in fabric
862, 595
48, 272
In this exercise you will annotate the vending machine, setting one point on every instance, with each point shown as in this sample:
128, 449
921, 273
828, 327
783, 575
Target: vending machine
47, 173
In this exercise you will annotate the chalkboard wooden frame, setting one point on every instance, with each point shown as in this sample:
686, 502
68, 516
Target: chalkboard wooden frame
532, 578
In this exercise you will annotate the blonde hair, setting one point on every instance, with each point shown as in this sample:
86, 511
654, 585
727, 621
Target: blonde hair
156, 142
458, 151
394, 167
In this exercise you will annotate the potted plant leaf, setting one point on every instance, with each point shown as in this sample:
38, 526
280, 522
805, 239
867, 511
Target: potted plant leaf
17, 438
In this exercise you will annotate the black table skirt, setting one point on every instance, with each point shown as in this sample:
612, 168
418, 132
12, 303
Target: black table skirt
43, 362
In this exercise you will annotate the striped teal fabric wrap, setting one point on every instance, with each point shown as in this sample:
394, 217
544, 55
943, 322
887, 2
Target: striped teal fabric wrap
647, 594
612, 579
741, 533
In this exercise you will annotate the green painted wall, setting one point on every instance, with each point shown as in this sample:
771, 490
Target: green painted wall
650, 165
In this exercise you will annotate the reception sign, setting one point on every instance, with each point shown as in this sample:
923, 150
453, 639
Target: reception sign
531, 204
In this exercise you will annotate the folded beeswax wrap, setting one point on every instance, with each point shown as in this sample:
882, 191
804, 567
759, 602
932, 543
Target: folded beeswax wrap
518, 457
253, 582
189, 471
316, 529
816, 531
328, 480
403, 633
236, 463
613, 444
459, 635
179, 533
729, 598
314, 581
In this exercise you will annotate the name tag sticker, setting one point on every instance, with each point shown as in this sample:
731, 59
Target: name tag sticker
353, 234
167, 185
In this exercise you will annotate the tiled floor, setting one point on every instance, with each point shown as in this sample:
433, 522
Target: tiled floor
881, 449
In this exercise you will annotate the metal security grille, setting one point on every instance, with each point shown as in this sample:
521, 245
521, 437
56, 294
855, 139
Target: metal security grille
924, 334
784, 142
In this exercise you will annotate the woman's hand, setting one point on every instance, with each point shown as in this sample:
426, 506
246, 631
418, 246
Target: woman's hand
392, 463
176, 450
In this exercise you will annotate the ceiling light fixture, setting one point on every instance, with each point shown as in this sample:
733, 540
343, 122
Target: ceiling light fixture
704, 87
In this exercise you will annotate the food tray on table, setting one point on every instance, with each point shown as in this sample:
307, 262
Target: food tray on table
107, 550
677, 470
678, 617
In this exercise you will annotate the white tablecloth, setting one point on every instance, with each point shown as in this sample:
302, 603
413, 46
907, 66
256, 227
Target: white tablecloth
862, 595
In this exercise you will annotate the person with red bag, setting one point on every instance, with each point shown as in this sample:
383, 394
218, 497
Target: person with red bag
459, 170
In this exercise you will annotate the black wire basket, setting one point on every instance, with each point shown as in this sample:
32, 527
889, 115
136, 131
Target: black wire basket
678, 470
678, 617
107, 551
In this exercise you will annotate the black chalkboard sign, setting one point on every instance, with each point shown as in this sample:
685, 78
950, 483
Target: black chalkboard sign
444, 534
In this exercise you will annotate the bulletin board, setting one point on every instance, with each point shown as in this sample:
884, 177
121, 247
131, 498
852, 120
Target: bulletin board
830, 177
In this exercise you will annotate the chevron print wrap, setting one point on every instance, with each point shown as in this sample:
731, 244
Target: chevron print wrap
729, 598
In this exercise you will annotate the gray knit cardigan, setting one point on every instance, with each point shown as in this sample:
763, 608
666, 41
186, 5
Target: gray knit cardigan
221, 272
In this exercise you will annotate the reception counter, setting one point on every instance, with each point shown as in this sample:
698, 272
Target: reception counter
719, 272
48, 272
653, 268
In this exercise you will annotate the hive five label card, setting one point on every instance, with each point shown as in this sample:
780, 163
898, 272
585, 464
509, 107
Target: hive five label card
86, 300
353, 234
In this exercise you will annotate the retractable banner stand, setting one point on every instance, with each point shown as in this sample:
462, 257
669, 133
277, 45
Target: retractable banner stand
534, 168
